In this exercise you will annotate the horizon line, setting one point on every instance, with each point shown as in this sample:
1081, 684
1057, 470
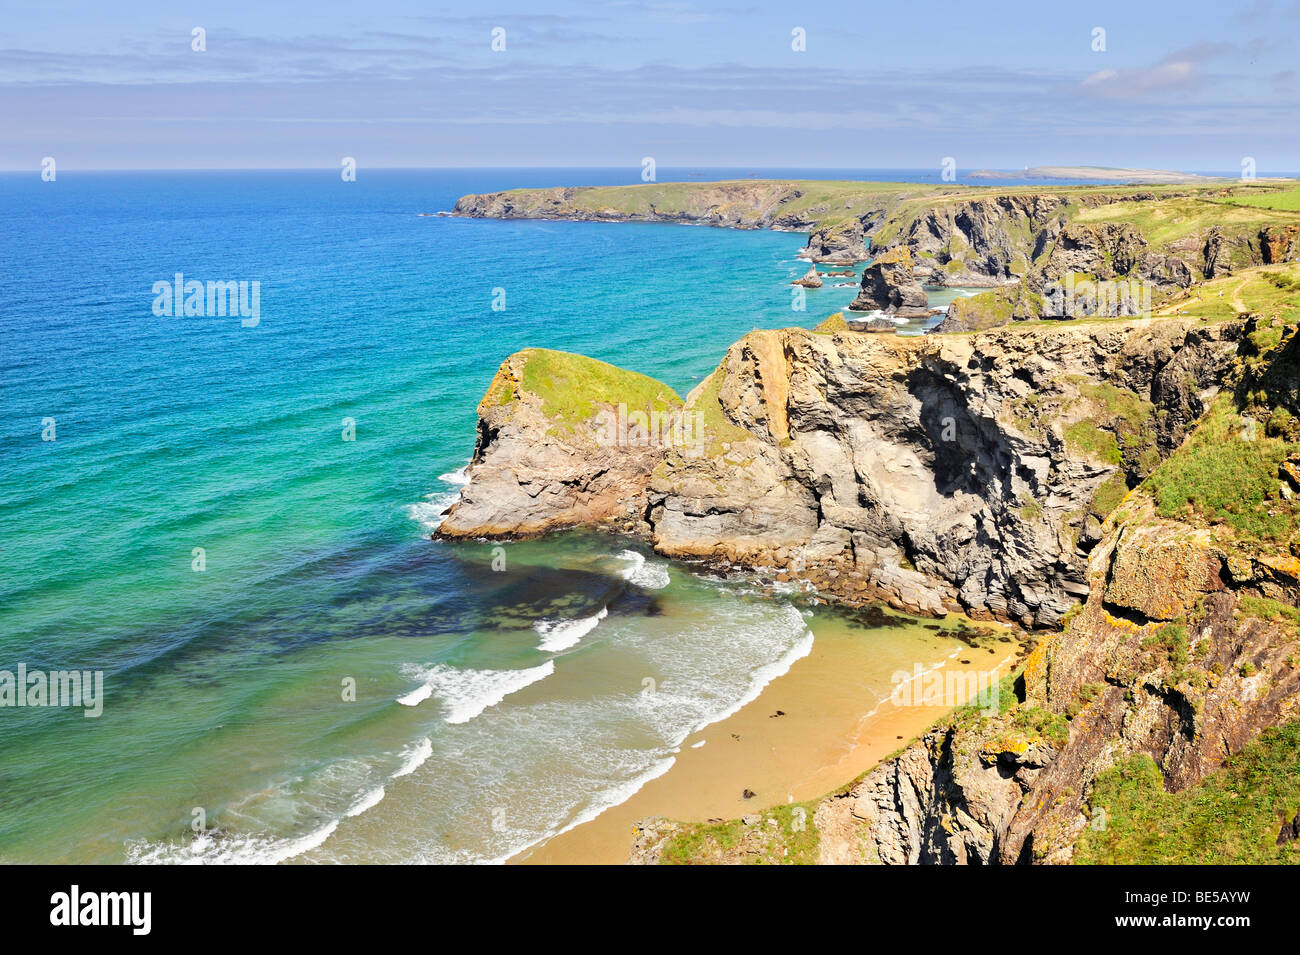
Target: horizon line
1278, 173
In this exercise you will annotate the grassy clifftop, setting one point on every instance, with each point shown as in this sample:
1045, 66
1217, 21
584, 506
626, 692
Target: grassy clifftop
1165, 211
572, 387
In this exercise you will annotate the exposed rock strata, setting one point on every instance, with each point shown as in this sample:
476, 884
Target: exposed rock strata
931, 473
987, 240
940, 802
889, 285
532, 472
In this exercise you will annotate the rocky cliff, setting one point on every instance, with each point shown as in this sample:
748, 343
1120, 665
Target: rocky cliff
937, 473
1170, 698
563, 441
836, 216
889, 285
1144, 245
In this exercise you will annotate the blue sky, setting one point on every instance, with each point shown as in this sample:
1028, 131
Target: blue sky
1189, 85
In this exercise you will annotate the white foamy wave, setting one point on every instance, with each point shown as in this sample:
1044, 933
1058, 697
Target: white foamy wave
651, 576
429, 512
617, 795
763, 676
368, 801
415, 757
213, 849
460, 476
559, 635
467, 693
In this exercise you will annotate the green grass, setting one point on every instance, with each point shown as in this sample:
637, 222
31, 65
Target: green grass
1274, 611
695, 843
1268, 290
1108, 496
712, 422
1287, 200
831, 324
1085, 437
1221, 478
1037, 721
1167, 220
573, 387
1030, 509
1120, 402
1173, 643
1232, 816
996, 307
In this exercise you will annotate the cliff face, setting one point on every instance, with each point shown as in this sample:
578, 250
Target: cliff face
931, 473
1185, 652
563, 441
736, 205
1029, 247
1040, 238
889, 285
837, 226
1148, 467
1123, 679
982, 242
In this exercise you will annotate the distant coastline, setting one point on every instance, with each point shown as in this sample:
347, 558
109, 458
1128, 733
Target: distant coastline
1094, 174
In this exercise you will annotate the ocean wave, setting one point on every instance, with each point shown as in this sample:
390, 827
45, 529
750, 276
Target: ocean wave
467, 693
368, 801
763, 676
415, 757
209, 848
429, 512
614, 796
459, 476
643, 573
559, 635
221, 847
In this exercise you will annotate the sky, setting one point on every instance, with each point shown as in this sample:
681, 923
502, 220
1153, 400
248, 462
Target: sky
1192, 85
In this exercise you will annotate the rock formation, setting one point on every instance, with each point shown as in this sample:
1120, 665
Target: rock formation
810, 279
583, 458
888, 285
1183, 654
931, 473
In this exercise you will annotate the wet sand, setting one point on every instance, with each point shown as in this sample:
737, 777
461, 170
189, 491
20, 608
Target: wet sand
838, 722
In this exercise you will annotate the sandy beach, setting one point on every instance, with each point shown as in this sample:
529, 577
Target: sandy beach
834, 724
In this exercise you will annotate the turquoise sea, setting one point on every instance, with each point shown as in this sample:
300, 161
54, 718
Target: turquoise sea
292, 669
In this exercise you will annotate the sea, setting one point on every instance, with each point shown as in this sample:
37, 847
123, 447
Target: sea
226, 519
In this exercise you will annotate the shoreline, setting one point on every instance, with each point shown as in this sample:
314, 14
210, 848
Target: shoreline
830, 730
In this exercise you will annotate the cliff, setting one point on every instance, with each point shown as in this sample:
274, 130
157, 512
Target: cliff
563, 440
1161, 723
1149, 468
932, 473
837, 215
1152, 242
